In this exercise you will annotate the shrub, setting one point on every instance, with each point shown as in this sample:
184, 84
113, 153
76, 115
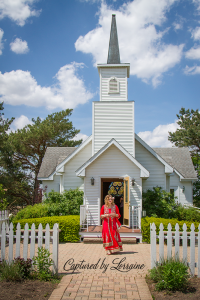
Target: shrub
170, 275
36, 211
69, 226
24, 266
158, 203
187, 214
145, 226
10, 271
42, 263
67, 203
56, 204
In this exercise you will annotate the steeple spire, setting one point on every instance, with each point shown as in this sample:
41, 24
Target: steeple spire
113, 51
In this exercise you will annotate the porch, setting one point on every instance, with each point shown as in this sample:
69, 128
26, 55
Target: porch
91, 232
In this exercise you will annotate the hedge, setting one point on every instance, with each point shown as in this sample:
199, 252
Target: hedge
145, 226
69, 226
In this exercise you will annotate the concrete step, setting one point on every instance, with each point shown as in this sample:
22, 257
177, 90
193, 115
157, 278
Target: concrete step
92, 240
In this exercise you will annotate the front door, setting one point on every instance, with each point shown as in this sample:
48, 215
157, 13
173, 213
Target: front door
126, 201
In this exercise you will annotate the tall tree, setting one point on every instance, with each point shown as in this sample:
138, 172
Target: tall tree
12, 176
30, 143
188, 135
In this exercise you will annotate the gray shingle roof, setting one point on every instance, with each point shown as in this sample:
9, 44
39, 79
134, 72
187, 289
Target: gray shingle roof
179, 159
52, 158
113, 51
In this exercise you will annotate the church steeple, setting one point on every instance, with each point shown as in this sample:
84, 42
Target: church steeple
113, 51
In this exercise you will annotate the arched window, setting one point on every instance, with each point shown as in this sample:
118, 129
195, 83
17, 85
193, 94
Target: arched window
113, 85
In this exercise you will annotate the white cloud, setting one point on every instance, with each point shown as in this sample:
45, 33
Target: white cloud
177, 26
17, 10
197, 2
20, 122
196, 33
193, 53
140, 42
19, 46
1, 44
80, 136
20, 87
192, 70
159, 136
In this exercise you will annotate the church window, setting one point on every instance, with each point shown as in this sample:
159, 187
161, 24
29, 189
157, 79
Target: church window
113, 85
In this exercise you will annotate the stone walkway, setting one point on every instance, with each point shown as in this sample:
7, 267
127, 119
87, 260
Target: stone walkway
91, 274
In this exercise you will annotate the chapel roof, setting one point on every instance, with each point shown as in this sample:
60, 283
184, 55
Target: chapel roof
52, 158
113, 51
179, 159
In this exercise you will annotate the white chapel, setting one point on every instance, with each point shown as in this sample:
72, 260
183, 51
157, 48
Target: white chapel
115, 154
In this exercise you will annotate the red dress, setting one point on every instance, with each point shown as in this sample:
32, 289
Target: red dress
111, 238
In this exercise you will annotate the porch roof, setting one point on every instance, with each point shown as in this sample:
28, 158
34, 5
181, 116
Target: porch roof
80, 172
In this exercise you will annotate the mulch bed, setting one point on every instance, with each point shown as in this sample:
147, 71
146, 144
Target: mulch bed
28, 289
192, 292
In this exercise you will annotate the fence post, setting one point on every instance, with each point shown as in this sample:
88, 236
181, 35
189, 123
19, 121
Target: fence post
25, 246
153, 245
40, 236
161, 243
192, 249
184, 243
177, 236
47, 237
55, 247
3, 241
10, 255
18, 236
32, 250
169, 241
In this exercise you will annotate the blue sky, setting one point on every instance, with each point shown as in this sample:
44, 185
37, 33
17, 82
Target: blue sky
49, 50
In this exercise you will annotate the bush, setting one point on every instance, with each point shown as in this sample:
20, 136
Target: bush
170, 275
158, 203
36, 211
67, 203
42, 263
145, 226
24, 266
69, 226
187, 214
10, 271
56, 204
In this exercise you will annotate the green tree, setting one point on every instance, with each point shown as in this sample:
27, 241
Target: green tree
188, 135
12, 176
158, 203
30, 143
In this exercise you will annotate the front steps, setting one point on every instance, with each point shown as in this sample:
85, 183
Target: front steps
98, 240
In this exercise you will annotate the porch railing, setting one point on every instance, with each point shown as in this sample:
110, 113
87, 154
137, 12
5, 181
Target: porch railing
136, 217
89, 215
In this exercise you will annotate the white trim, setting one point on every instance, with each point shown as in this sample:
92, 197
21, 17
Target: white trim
60, 167
93, 131
99, 66
133, 120
143, 172
168, 168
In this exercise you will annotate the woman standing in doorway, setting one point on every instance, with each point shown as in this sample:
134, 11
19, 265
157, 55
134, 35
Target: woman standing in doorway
110, 232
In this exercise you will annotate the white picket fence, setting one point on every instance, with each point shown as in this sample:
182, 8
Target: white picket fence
176, 236
3, 217
29, 236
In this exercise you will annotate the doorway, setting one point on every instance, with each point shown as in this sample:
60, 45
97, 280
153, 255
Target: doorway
105, 183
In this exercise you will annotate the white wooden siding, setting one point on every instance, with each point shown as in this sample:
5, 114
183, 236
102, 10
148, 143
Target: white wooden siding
114, 164
153, 165
52, 184
71, 181
184, 197
113, 120
121, 75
